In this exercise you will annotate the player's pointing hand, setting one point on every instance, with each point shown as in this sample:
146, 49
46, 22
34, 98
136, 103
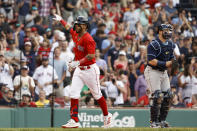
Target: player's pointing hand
57, 17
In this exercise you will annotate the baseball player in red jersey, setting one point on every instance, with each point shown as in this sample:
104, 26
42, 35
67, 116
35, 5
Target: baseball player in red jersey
86, 72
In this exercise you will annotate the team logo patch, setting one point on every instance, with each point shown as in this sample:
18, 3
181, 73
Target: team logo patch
167, 52
80, 48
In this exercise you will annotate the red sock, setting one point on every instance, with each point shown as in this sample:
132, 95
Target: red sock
74, 109
103, 105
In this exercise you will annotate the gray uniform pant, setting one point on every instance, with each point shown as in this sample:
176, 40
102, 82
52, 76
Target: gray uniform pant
156, 80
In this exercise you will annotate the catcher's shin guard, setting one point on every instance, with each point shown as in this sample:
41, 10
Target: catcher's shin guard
155, 105
165, 106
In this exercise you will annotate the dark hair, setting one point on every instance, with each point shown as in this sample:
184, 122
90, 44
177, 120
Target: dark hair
87, 99
186, 70
37, 19
102, 24
175, 66
98, 32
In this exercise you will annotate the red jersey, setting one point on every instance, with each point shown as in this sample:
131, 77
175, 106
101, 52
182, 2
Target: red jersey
145, 99
83, 45
44, 52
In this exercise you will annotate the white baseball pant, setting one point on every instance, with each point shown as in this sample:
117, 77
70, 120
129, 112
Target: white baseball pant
89, 77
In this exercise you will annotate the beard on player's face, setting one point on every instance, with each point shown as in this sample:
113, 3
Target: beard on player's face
45, 63
78, 28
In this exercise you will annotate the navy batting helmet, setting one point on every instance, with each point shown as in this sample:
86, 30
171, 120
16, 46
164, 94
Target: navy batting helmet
81, 20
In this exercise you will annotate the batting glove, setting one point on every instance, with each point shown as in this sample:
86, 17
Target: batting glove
74, 64
57, 17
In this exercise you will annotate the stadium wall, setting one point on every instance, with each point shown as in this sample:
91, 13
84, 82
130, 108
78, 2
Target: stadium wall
41, 117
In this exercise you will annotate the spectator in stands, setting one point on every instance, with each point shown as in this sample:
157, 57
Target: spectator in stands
143, 15
26, 101
121, 61
13, 55
2, 89
24, 7
60, 67
44, 49
42, 102
170, 10
194, 26
29, 18
89, 101
99, 37
49, 35
4, 26
101, 63
113, 53
108, 20
52, 101
176, 102
192, 53
82, 8
131, 17
132, 76
85, 92
31, 57
159, 15
140, 58
6, 72
43, 77
144, 100
107, 44
150, 34
35, 38
8, 99
38, 24
23, 84
174, 77
58, 38
66, 55
45, 7
187, 82
140, 87
123, 78
115, 90
7, 9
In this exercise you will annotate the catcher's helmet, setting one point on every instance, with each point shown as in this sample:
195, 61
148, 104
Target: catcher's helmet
165, 34
165, 26
81, 20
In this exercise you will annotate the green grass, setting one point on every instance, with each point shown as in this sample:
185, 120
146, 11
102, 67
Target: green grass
97, 129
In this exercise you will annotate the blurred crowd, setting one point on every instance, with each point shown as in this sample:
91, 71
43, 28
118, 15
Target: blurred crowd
35, 51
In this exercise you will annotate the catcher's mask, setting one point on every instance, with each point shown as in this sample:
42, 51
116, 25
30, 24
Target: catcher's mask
81, 20
166, 30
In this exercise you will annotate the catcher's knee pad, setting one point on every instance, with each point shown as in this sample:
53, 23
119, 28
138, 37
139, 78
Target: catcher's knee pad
165, 106
168, 95
157, 97
155, 104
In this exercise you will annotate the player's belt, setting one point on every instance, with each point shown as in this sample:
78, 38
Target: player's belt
84, 67
155, 68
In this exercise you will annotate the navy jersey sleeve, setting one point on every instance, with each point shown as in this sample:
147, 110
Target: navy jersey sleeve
152, 51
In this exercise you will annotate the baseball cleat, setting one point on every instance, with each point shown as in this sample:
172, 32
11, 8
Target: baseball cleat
155, 125
108, 121
71, 124
164, 124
